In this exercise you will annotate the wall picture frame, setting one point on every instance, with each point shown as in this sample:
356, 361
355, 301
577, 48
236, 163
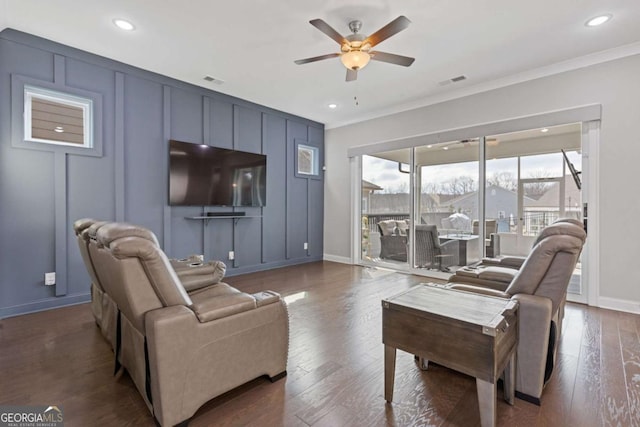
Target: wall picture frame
307, 164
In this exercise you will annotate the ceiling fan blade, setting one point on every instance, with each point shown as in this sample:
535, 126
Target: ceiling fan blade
328, 30
351, 75
392, 58
316, 58
393, 27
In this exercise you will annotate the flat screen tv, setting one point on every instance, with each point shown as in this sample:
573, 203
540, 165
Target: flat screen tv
201, 175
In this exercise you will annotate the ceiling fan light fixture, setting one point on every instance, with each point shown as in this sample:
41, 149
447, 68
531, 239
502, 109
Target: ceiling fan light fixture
355, 60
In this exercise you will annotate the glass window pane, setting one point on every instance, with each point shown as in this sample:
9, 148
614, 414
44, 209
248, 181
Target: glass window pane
447, 206
56, 121
57, 118
541, 188
385, 207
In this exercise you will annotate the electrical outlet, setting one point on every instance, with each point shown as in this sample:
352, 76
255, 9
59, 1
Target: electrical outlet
49, 279
232, 255
306, 246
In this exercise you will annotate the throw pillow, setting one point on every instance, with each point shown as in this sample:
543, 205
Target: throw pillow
403, 227
387, 227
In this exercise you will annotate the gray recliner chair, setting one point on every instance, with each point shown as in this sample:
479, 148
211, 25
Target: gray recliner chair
182, 349
497, 273
540, 287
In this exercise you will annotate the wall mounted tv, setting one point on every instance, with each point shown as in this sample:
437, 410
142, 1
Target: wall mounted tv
201, 175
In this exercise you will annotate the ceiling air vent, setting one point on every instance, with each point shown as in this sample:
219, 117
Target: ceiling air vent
214, 80
452, 80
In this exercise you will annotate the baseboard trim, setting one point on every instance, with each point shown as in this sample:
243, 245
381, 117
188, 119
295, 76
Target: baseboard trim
619, 305
45, 304
235, 271
336, 258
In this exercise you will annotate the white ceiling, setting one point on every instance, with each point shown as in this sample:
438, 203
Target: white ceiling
251, 45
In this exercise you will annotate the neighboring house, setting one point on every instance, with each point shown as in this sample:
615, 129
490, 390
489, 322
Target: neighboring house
501, 204
542, 212
381, 203
550, 200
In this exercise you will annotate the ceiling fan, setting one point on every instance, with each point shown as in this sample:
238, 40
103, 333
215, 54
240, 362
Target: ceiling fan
356, 48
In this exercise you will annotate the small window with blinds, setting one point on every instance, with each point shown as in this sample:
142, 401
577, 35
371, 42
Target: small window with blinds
53, 117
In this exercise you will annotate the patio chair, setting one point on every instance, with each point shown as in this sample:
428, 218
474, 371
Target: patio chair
393, 243
430, 253
491, 238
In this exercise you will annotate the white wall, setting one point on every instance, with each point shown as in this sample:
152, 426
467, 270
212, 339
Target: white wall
3, 14
614, 85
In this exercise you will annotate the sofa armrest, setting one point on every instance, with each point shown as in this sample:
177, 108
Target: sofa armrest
535, 314
223, 306
266, 297
192, 283
199, 275
512, 261
478, 290
215, 268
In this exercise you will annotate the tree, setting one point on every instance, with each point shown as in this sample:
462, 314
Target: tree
535, 190
399, 188
504, 180
430, 187
459, 185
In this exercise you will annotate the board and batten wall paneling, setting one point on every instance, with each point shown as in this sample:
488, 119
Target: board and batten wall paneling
247, 136
315, 198
27, 195
91, 181
297, 192
218, 132
274, 230
186, 121
141, 111
221, 124
145, 186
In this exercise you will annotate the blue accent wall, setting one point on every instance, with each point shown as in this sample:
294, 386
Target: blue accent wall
43, 192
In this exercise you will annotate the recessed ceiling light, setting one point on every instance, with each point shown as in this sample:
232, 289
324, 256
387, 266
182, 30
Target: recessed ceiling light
58, 129
429, 146
545, 130
123, 24
445, 148
333, 106
598, 20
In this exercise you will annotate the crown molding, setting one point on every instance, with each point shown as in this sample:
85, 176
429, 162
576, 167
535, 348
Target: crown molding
525, 76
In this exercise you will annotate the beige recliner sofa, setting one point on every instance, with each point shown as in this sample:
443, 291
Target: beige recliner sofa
182, 349
193, 274
540, 287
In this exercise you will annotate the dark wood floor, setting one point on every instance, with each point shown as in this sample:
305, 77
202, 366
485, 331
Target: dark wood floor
335, 366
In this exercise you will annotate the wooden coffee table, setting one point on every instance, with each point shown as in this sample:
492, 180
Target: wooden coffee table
470, 333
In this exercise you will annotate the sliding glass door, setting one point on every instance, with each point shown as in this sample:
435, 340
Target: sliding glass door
385, 208
434, 208
447, 205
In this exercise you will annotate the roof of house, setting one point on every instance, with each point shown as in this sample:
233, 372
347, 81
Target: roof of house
551, 197
370, 186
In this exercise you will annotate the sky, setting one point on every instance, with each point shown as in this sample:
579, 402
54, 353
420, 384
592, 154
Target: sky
385, 174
